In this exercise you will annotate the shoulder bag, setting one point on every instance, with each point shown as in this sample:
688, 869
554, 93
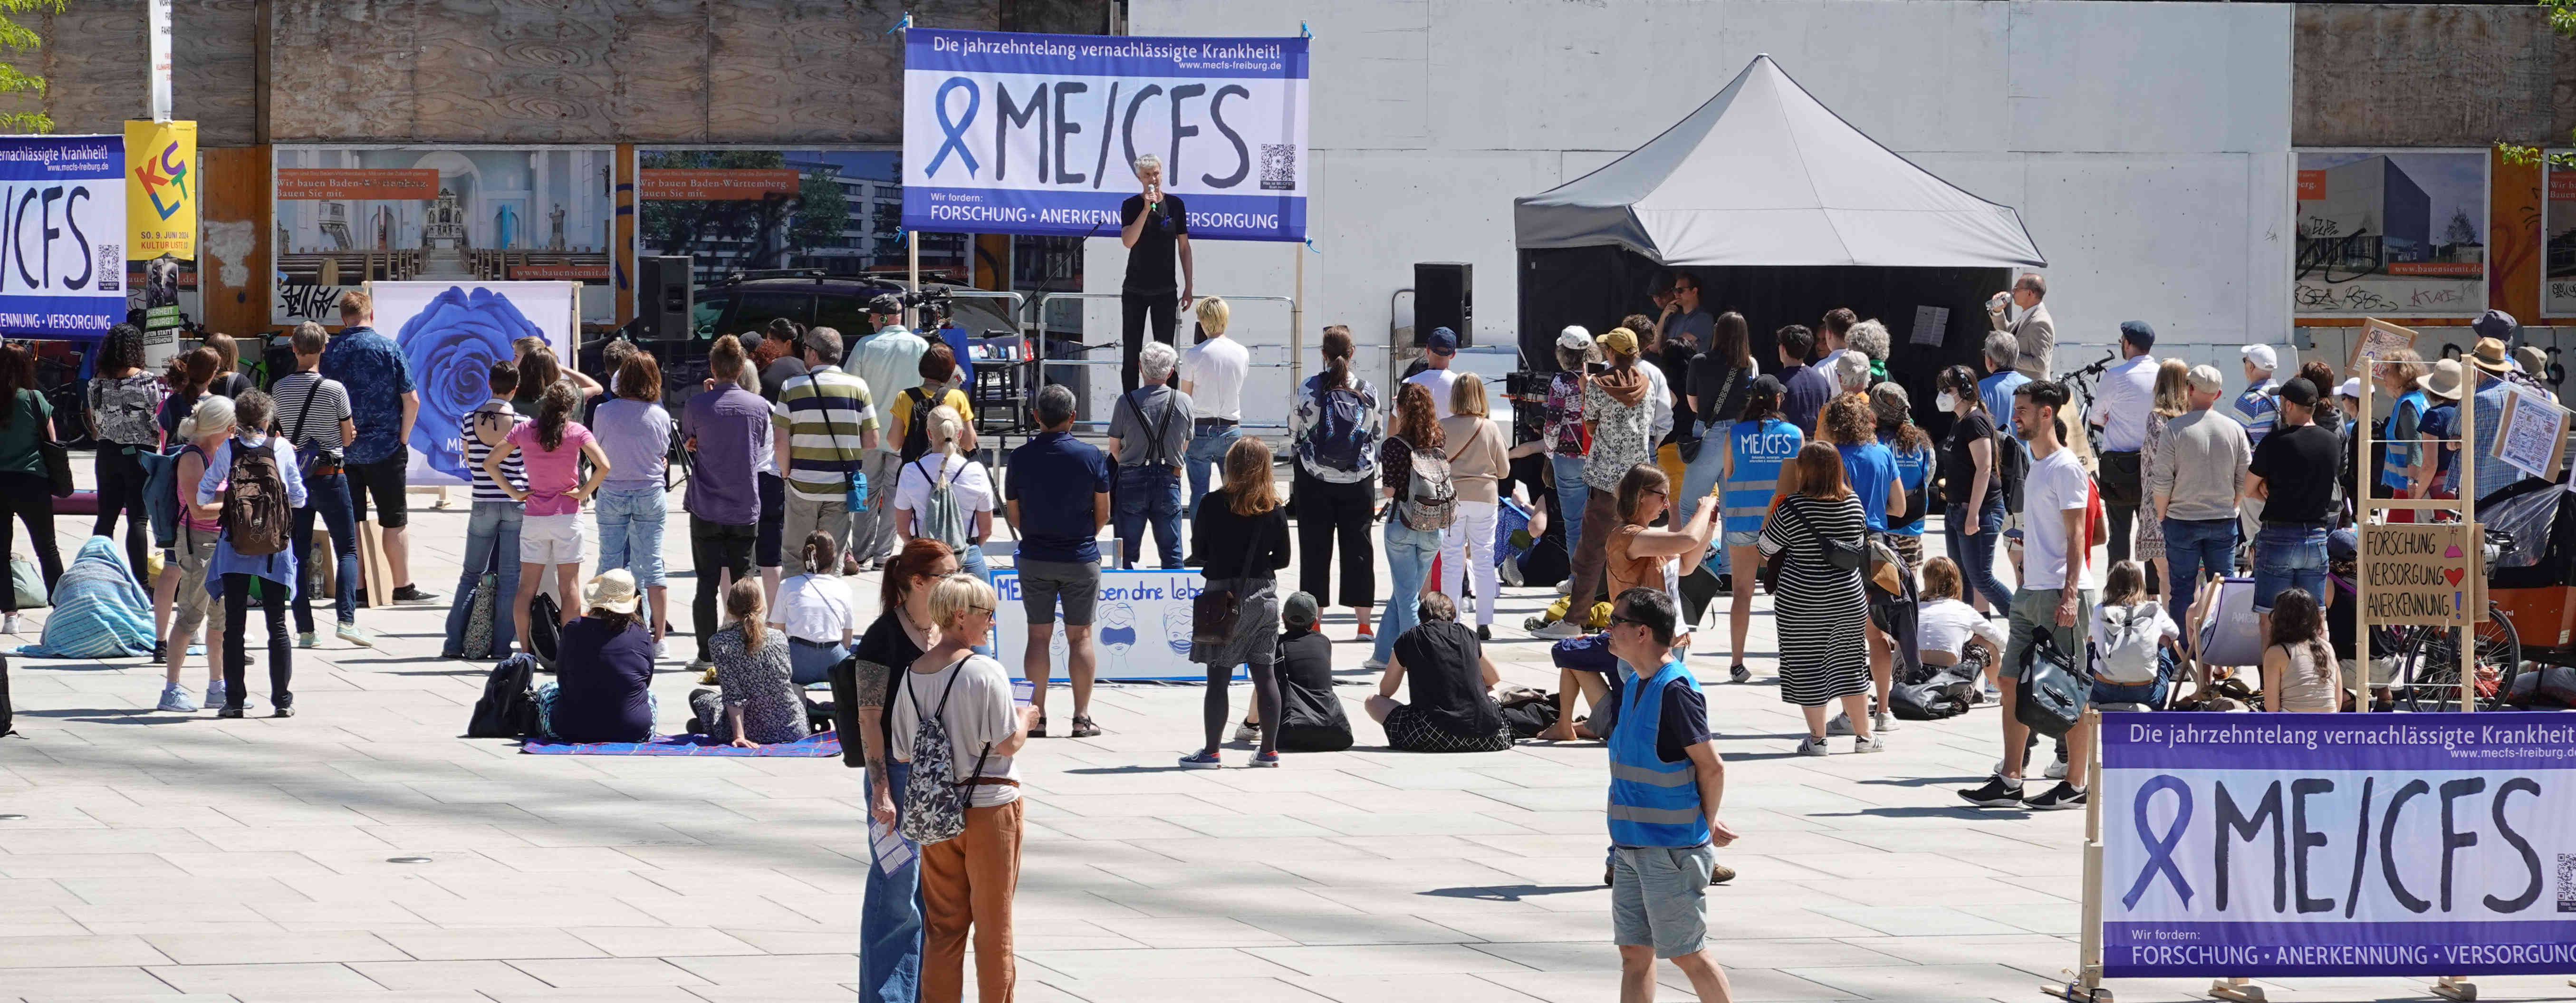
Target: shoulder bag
2053, 690
1838, 553
1214, 611
58, 460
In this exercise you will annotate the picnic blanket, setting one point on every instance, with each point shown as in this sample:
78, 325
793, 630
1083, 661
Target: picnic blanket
827, 744
99, 612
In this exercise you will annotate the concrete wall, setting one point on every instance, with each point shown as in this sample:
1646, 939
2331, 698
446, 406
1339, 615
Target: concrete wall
2146, 145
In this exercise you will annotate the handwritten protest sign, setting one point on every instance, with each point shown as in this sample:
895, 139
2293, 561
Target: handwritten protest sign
2416, 574
2376, 340
2534, 437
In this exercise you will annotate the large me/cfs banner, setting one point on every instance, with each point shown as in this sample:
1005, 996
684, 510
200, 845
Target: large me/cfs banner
62, 235
1035, 134
2338, 844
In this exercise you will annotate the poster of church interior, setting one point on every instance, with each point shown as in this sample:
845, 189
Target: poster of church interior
349, 214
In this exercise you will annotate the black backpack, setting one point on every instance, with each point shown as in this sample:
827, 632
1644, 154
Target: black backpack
916, 426
7, 714
508, 708
2012, 464
545, 629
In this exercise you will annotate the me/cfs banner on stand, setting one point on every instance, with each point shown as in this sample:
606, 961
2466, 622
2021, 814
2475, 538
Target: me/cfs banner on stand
2337, 844
62, 235
1036, 134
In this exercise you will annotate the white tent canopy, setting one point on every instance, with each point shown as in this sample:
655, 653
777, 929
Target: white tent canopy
1764, 174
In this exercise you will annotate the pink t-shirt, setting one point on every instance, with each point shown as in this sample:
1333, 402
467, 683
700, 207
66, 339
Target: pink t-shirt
552, 476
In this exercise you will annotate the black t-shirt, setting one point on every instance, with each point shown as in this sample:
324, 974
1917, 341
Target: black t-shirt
1958, 466
2298, 464
1674, 363
1445, 676
1150, 263
1684, 723
229, 385
1720, 385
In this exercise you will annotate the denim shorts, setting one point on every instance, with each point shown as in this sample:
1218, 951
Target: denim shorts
2288, 555
1659, 896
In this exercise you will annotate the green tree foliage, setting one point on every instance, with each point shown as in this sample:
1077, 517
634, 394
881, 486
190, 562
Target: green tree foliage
15, 41
775, 227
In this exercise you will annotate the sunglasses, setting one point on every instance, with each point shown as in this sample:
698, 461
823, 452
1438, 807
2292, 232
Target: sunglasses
1616, 620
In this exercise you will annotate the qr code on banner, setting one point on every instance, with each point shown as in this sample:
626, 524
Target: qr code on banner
111, 268
1278, 167
2567, 882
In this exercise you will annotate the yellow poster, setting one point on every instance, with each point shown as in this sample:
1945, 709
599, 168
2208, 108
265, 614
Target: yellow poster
161, 190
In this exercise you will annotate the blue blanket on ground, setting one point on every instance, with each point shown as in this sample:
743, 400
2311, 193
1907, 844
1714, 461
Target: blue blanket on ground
820, 746
99, 612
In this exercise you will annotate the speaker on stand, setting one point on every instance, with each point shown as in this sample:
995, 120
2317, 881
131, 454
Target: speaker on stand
1444, 295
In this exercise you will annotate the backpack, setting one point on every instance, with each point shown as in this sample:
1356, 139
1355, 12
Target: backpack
508, 707
545, 629
1429, 501
480, 615
2129, 657
934, 808
256, 516
2012, 466
161, 494
916, 425
1340, 439
941, 519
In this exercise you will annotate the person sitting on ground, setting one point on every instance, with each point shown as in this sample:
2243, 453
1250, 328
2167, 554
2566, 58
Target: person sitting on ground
2131, 634
1310, 716
816, 611
1952, 633
759, 704
603, 678
2298, 667
1453, 709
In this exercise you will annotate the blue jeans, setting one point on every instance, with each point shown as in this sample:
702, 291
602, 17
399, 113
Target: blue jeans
2152, 693
2289, 555
971, 561
1206, 459
493, 529
2194, 548
1149, 493
327, 497
809, 663
889, 915
1408, 560
630, 534
1976, 554
1571, 493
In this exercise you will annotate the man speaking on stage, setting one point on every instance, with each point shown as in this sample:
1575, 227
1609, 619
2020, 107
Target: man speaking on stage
1154, 226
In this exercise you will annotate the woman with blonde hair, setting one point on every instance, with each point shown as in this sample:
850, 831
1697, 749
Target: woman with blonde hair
1477, 461
1242, 542
966, 881
2400, 374
946, 495
1212, 374
2172, 400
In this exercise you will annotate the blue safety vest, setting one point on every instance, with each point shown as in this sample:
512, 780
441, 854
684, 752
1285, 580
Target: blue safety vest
1652, 802
2400, 454
1757, 449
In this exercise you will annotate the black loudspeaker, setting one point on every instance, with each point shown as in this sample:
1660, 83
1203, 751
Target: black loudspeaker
1444, 295
663, 297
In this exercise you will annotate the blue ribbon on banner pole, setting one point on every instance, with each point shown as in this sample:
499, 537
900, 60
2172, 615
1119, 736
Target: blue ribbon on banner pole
902, 24
2160, 848
956, 131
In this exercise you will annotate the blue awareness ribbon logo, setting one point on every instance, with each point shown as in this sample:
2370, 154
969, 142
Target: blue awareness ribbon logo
956, 130
2160, 848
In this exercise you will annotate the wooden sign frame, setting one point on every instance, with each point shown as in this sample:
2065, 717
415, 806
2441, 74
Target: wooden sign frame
2376, 337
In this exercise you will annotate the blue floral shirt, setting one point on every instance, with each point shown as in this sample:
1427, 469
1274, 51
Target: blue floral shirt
377, 376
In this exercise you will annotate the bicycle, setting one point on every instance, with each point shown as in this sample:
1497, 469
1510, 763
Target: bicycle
2428, 677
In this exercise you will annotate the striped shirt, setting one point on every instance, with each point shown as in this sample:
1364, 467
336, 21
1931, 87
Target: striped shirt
2258, 409
823, 413
495, 414
320, 428
1757, 450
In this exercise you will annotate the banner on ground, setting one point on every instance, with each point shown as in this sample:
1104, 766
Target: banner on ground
451, 333
62, 235
459, 215
1140, 628
161, 230
2337, 844
1036, 134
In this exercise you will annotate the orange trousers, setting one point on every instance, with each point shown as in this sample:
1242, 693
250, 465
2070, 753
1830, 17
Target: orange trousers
968, 882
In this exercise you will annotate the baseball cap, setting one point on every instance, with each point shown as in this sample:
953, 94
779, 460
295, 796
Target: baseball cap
2495, 324
2139, 333
2206, 379
1574, 338
1618, 341
2300, 392
1768, 384
2262, 356
2343, 545
1299, 611
1443, 341
2351, 388
885, 303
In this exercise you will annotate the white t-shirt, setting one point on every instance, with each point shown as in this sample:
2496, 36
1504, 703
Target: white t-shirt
2056, 484
1946, 624
1439, 381
1215, 370
816, 607
973, 487
2128, 393
979, 713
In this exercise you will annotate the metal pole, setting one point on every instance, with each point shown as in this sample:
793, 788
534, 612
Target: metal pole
912, 252
158, 31
1297, 326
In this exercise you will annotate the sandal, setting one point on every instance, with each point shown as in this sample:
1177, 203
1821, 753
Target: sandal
1038, 730
1083, 728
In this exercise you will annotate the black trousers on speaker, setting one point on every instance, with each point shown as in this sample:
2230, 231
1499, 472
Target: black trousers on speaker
1164, 308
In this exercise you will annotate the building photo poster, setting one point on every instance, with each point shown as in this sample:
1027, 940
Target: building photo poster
737, 209
2392, 234
2558, 226
348, 215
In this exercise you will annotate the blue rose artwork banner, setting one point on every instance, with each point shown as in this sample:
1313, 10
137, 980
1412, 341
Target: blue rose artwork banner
450, 334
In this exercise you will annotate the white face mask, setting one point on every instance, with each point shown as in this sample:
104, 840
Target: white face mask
1947, 401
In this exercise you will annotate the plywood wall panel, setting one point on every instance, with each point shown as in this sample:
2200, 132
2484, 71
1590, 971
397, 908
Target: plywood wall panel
344, 69
214, 69
2423, 75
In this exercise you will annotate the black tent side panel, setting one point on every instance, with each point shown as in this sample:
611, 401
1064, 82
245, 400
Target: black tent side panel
1596, 286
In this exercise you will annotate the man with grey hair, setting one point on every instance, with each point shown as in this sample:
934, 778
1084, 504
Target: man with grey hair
2002, 350
1149, 434
2020, 313
1059, 555
1156, 228
826, 423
